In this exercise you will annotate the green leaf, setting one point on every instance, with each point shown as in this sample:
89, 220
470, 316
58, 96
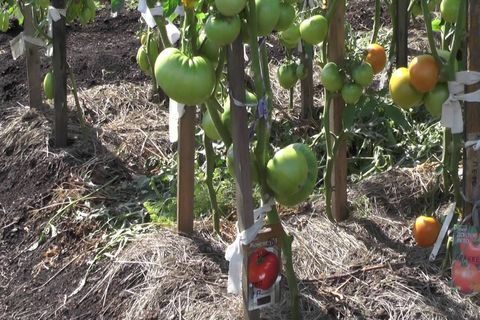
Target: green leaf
436, 25
117, 5
397, 115
169, 7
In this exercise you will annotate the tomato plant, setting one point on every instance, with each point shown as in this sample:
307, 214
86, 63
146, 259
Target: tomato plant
49, 86
402, 92
331, 77
363, 74
287, 75
188, 80
449, 10
268, 13
263, 268
351, 93
230, 8
376, 57
314, 29
435, 99
222, 30
426, 230
423, 73
286, 18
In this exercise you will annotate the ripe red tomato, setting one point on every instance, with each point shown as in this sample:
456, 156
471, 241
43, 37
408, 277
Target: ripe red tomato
465, 277
426, 230
423, 71
376, 57
471, 251
263, 268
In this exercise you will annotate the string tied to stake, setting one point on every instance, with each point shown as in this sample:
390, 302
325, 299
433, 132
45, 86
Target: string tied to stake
234, 252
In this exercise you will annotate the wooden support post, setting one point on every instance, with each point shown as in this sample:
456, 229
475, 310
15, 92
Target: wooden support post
186, 171
402, 32
241, 154
60, 75
33, 61
336, 53
307, 83
472, 111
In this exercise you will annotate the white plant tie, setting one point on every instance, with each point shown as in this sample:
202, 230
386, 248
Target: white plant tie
451, 110
474, 144
17, 44
54, 15
175, 112
234, 252
148, 14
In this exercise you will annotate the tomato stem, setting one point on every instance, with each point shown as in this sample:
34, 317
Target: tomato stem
376, 22
427, 17
210, 158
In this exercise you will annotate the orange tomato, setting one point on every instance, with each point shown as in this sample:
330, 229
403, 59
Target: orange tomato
376, 57
426, 230
423, 71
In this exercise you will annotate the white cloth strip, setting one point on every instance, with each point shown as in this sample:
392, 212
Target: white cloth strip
175, 112
452, 110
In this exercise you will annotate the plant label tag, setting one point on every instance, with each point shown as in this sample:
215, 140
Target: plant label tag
443, 232
466, 259
264, 265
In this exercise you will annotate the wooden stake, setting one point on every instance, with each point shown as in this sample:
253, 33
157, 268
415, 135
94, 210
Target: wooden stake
33, 61
402, 32
336, 53
60, 75
186, 171
241, 154
472, 111
307, 83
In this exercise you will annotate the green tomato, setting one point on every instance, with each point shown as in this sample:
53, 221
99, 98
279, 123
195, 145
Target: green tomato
268, 13
231, 164
226, 116
187, 80
230, 8
314, 29
291, 34
153, 48
142, 60
331, 78
287, 171
416, 9
434, 99
210, 50
301, 71
286, 18
209, 127
49, 86
363, 74
311, 180
351, 93
287, 75
449, 10
222, 30
445, 56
